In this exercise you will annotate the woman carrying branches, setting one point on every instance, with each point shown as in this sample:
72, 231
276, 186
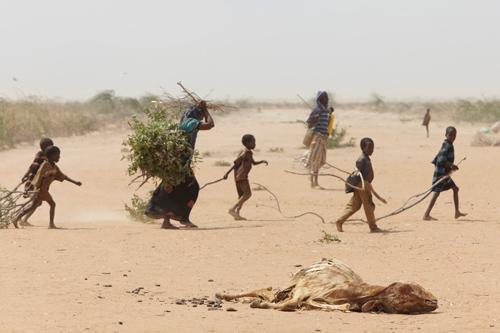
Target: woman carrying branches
176, 202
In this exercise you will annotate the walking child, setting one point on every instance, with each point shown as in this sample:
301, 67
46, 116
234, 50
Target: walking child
46, 174
37, 161
362, 197
444, 164
427, 120
242, 166
318, 121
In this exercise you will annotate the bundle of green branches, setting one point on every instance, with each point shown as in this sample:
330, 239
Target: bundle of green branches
157, 149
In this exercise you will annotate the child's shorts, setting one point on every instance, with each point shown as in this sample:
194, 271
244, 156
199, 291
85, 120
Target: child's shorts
243, 187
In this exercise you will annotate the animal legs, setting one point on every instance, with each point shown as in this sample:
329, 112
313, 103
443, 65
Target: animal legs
258, 293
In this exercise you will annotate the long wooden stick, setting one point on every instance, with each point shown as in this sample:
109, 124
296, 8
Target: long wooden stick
213, 182
279, 206
304, 101
337, 168
328, 175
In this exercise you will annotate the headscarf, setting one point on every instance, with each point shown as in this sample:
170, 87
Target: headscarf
195, 111
190, 121
318, 96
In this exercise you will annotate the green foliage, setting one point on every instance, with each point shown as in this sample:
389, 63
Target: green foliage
106, 102
28, 120
329, 238
336, 140
158, 149
136, 209
480, 110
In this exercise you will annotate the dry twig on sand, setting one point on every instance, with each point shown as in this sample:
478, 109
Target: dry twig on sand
13, 203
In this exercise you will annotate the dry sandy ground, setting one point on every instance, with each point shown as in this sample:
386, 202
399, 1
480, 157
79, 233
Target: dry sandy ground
55, 280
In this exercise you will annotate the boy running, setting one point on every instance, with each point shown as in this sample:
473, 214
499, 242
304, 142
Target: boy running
242, 166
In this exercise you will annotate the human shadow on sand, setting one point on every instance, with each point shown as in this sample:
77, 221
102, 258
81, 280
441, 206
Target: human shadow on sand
219, 228
472, 220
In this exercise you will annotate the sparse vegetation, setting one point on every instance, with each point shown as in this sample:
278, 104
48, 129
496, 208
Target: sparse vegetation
276, 150
28, 119
377, 101
329, 238
136, 209
222, 164
337, 140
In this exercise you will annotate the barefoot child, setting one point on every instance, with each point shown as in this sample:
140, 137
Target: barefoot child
444, 164
46, 174
318, 121
32, 170
242, 166
362, 198
427, 120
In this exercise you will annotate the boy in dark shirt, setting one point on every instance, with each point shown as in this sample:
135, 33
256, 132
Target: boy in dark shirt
444, 164
242, 166
360, 197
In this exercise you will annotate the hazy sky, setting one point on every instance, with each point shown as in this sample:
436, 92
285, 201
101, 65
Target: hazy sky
254, 48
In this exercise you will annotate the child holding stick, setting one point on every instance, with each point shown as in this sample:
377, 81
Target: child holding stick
242, 166
362, 197
444, 164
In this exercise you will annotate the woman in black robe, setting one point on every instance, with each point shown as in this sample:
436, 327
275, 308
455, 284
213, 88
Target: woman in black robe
176, 202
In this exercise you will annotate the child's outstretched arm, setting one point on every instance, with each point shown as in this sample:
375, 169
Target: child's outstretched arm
78, 183
259, 162
228, 172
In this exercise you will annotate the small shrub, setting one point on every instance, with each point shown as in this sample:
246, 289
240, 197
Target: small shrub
377, 101
222, 164
336, 141
276, 150
136, 209
329, 238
